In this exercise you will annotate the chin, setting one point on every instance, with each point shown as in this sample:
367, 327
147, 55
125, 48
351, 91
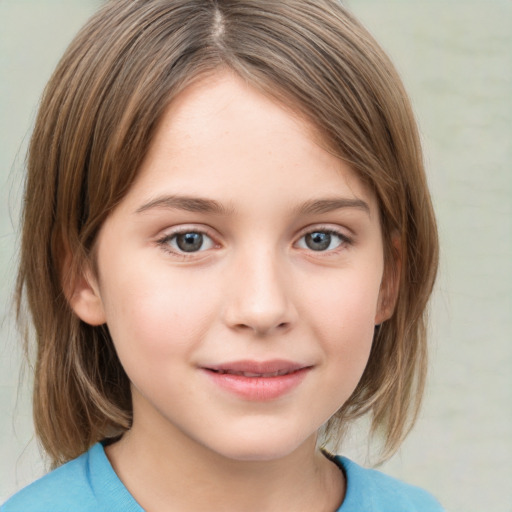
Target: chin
264, 447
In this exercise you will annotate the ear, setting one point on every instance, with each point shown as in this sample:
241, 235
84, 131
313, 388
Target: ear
82, 292
86, 300
390, 284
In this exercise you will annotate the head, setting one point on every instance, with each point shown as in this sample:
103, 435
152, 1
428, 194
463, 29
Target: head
96, 123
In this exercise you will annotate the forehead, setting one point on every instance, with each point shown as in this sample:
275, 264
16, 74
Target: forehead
221, 137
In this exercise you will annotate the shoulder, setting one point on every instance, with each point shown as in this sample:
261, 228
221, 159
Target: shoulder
87, 483
66, 487
373, 491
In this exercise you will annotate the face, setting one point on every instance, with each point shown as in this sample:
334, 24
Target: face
240, 276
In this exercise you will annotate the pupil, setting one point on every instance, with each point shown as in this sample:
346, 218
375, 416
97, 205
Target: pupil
189, 242
318, 241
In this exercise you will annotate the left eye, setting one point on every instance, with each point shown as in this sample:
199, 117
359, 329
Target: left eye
321, 241
191, 241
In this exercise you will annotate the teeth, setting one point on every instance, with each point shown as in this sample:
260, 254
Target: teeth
250, 374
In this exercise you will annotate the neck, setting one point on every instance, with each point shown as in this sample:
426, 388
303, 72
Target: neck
172, 472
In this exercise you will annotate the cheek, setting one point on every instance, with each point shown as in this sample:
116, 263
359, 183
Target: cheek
152, 313
342, 313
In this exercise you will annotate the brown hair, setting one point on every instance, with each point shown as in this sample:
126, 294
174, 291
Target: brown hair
96, 120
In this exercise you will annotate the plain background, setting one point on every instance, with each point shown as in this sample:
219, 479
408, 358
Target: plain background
455, 57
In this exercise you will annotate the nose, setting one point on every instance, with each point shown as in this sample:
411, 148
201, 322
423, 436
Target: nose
260, 295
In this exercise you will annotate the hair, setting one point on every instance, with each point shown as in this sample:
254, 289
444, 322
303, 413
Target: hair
96, 120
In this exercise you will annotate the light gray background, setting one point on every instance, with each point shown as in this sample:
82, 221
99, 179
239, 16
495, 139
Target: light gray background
456, 59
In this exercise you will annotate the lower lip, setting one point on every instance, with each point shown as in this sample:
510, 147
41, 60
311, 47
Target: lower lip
258, 388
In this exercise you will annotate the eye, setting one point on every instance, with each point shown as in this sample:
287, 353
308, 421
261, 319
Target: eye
319, 241
187, 242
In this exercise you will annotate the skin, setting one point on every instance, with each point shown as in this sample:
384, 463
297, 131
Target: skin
254, 290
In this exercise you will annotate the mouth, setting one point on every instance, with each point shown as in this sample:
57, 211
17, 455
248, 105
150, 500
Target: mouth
258, 381
253, 369
267, 375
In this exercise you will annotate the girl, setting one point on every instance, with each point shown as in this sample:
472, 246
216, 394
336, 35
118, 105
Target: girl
228, 247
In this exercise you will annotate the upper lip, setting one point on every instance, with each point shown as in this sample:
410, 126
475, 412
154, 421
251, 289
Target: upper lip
271, 368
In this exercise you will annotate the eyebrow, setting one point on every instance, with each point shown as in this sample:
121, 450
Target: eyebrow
200, 205
329, 205
189, 204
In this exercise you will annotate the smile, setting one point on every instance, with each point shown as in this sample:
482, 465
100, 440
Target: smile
252, 374
257, 381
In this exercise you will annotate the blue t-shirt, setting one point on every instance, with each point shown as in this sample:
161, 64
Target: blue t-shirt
90, 484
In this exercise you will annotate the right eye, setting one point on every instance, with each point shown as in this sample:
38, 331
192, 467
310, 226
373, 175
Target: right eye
187, 242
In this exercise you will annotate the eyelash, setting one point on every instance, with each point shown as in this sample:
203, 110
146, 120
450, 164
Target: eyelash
344, 240
164, 242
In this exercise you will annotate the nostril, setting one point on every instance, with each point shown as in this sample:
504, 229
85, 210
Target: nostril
243, 327
263, 329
